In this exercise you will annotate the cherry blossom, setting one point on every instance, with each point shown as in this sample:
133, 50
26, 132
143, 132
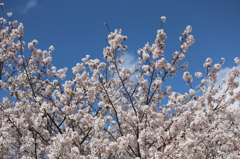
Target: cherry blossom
108, 111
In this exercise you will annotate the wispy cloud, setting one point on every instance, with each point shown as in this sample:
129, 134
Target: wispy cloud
130, 61
223, 74
29, 5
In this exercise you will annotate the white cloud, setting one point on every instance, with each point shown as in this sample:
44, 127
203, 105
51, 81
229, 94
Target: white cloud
223, 74
129, 60
30, 4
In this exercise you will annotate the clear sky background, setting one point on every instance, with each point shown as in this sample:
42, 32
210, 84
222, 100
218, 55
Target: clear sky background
75, 27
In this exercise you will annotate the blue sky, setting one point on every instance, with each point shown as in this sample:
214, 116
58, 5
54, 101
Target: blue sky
76, 27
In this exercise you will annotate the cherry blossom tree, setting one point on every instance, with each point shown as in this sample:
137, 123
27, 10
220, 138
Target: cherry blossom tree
108, 111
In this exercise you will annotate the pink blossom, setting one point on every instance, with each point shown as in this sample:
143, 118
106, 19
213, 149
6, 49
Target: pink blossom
106, 111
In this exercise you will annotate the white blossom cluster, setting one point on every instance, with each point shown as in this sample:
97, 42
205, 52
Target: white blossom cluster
104, 111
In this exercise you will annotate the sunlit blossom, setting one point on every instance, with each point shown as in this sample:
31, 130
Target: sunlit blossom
103, 110
51, 48
9, 14
163, 19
